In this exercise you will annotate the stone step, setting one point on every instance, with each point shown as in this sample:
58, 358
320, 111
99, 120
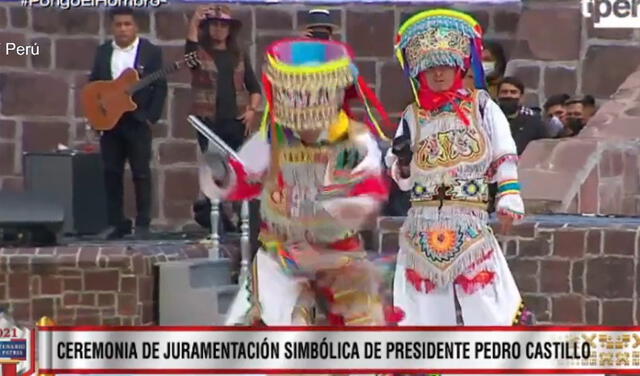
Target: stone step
210, 273
195, 292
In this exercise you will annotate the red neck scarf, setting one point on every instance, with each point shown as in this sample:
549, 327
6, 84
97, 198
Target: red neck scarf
431, 100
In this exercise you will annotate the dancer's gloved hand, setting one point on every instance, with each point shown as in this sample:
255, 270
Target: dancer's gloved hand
401, 148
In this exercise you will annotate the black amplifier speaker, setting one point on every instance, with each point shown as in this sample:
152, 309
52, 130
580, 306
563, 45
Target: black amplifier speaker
29, 220
72, 180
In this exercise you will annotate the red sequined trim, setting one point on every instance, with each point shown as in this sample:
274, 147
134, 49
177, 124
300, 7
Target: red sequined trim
420, 283
471, 285
482, 259
509, 213
493, 168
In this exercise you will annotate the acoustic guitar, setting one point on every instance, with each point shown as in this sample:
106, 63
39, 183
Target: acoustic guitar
105, 102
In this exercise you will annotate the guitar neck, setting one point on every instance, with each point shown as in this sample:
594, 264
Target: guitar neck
154, 77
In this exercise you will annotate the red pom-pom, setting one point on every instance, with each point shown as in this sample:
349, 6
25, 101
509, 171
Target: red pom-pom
244, 190
335, 320
374, 186
327, 292
393, 314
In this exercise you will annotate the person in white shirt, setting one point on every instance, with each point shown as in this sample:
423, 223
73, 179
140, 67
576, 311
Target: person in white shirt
130, 139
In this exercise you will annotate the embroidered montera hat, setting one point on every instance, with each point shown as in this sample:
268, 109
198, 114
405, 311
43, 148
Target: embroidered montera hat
306, 82
440, 37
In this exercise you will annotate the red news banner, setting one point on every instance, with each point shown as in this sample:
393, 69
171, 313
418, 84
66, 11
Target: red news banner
316, 350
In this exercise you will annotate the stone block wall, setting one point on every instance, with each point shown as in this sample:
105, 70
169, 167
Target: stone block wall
552, 49
569, 270
556, 51
86, 284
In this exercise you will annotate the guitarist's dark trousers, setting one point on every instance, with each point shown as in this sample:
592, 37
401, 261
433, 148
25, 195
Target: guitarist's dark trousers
130, 140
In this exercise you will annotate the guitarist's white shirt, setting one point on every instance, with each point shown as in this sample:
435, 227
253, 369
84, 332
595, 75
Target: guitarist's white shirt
123, 58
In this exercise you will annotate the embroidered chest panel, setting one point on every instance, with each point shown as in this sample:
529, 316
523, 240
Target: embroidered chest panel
449, 148
446, 142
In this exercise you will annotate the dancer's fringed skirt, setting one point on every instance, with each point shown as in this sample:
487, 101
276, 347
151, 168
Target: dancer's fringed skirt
346, 284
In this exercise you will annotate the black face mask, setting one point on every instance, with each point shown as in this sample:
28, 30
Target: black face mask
575, 124
319, 34
509, 105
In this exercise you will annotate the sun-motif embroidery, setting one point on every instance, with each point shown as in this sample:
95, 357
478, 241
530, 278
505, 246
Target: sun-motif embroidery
418, 190
471, 188
441, 241
441, 246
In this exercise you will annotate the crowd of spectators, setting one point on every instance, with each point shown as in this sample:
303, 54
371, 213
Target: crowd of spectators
562, 115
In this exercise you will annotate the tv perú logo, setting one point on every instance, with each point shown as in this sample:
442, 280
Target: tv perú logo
612, 13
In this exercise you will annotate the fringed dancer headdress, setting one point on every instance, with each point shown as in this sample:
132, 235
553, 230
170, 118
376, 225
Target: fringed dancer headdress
440, 37
308, 83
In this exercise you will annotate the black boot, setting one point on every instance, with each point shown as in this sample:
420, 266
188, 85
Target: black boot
117, 232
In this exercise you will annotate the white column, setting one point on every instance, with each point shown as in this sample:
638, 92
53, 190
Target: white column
214, 251
245, 250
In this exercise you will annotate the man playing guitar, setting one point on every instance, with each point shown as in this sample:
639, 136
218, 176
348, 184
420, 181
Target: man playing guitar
130, 139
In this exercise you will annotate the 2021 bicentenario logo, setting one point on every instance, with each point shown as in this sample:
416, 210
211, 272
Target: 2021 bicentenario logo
15, 348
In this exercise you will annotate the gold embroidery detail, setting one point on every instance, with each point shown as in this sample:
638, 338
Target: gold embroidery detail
437, 40
447, 149
302, 154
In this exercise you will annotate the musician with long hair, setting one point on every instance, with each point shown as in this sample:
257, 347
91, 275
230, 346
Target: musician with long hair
130, 139
225, 92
